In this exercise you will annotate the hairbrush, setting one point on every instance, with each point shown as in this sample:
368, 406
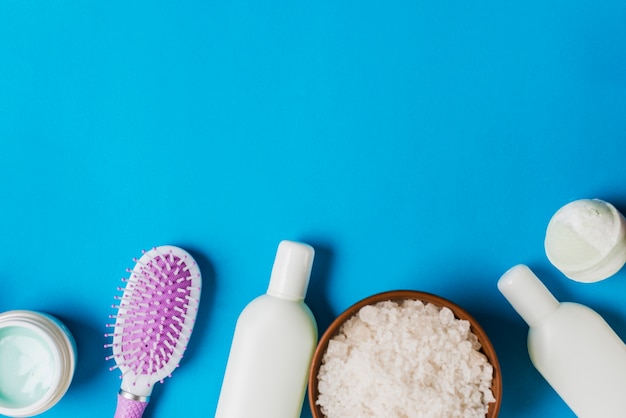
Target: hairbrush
155, 317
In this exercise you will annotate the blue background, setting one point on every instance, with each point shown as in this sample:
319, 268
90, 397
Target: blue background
415, 144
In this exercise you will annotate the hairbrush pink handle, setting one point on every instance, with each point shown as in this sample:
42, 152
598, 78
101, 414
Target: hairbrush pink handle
129, 408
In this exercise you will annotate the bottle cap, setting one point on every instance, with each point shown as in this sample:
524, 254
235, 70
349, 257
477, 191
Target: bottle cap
527, 294
291, 270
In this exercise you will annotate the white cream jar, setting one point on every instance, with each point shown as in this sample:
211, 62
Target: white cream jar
37, 362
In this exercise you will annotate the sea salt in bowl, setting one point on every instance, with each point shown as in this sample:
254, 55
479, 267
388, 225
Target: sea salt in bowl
405, 354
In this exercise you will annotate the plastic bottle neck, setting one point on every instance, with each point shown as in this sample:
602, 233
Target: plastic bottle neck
527, 294
291, 271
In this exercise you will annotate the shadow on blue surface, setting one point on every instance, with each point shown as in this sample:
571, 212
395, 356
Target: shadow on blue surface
317, 297
90, 359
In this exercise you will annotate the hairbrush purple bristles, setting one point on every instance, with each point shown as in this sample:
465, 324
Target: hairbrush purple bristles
155, 318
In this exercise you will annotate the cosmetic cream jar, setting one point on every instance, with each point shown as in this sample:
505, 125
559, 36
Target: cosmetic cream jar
37, 362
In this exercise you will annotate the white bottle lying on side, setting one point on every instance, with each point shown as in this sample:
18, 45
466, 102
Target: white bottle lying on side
273, 344
572, 347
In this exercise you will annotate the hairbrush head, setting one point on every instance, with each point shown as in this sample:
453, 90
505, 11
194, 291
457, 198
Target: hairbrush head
155, 318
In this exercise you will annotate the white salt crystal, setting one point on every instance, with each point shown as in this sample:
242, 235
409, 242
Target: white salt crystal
446, 316
369, 315
337, 348
405, 360
465, 347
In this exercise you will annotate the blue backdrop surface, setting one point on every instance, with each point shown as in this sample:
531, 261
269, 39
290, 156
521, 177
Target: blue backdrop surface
415, 144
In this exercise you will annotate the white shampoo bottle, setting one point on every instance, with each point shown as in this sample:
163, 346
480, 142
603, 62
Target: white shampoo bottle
572, 347
273, 344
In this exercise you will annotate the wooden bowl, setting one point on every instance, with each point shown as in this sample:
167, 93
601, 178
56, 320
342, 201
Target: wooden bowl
398, 296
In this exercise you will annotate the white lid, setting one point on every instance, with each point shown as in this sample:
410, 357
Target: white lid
291, 270
586, 240
527, 294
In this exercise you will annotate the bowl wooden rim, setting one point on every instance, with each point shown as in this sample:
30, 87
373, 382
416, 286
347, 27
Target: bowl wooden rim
397, 295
